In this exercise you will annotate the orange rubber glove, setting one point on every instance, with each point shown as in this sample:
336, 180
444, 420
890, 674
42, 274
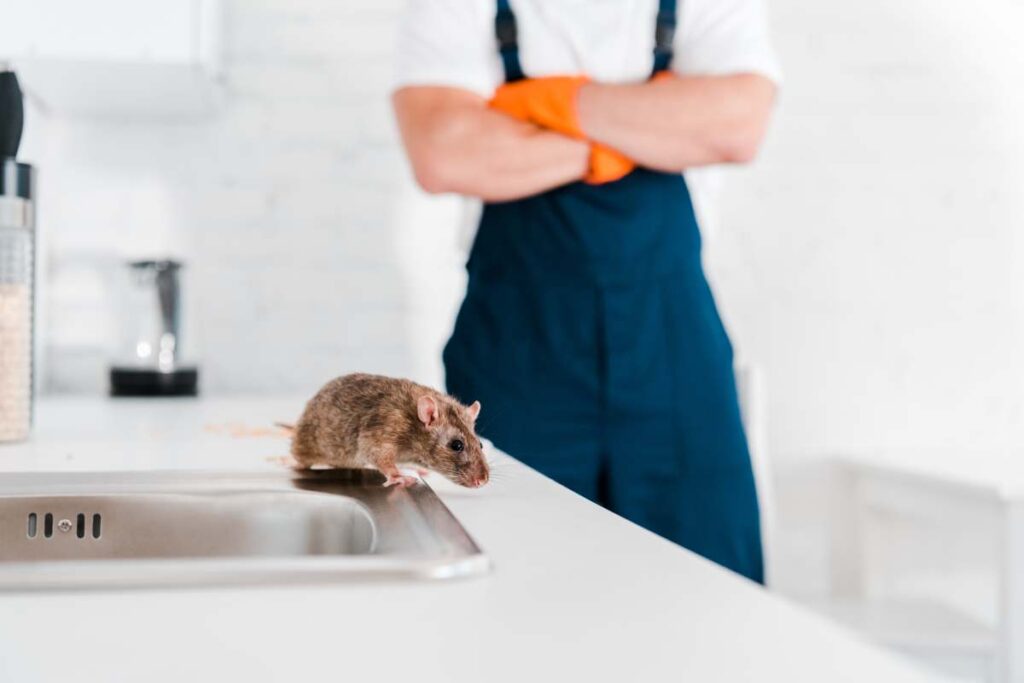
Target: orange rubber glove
550, 102
606, 165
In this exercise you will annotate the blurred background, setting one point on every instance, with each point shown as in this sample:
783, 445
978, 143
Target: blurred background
868, 265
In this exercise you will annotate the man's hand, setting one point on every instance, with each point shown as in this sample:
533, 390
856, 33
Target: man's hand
606, 165
550, 103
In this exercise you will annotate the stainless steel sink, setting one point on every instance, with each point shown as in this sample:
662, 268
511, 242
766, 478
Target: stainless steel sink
166, 528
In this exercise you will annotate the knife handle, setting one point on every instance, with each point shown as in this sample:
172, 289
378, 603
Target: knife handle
12, 114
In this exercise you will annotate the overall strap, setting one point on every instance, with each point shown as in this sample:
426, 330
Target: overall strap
508, 41
664, 35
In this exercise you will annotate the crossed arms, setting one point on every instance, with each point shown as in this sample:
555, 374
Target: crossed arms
456, 143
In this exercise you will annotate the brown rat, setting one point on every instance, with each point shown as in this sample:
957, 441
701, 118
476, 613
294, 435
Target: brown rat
363, 420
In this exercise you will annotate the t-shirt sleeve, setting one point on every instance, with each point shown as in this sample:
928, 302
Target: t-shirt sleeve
718, 37
448, 43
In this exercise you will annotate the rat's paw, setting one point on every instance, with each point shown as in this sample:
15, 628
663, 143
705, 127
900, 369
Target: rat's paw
287, 461
400, 480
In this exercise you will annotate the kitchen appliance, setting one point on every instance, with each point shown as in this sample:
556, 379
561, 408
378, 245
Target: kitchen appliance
151, 360
17, 242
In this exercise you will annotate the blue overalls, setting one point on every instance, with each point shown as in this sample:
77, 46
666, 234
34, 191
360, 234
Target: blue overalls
591, 338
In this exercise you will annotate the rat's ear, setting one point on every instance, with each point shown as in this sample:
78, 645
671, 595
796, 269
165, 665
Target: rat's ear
426, 409
474, 410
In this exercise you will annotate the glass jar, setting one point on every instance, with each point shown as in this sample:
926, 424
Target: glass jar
17, 241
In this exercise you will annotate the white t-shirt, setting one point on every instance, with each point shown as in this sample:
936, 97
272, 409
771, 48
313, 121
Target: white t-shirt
452, 42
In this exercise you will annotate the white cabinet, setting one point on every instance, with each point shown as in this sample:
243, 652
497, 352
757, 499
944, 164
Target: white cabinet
133, 59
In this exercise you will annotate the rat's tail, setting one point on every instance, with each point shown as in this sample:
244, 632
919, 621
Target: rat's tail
286, 427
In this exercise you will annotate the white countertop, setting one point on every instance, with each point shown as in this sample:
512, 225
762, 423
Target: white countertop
577, 593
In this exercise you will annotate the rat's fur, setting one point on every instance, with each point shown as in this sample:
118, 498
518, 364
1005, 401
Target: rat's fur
365, 420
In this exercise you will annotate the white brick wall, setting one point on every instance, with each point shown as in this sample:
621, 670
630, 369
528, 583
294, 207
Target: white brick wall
285, 207
871, 262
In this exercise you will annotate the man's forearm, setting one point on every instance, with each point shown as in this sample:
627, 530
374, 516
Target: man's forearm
680, 122
456, 144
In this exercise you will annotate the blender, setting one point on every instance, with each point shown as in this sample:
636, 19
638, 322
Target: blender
151, 360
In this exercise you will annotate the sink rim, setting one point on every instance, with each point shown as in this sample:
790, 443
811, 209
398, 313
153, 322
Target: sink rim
415, 511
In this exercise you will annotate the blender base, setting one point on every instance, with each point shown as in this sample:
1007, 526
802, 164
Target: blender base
146, 382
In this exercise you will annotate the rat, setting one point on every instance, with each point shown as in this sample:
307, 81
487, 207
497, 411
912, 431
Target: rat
363, 420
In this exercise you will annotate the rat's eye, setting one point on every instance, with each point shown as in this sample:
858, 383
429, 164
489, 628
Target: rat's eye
456, 445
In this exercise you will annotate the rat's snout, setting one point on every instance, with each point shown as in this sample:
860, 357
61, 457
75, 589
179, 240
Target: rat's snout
477, 476
483, 476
